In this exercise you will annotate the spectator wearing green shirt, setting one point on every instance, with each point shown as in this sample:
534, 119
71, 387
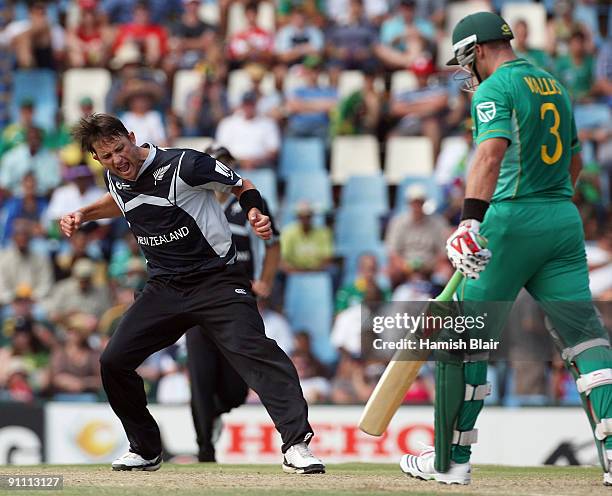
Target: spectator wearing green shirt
305, 247
576, 70
539, 58
354, 293
15, 134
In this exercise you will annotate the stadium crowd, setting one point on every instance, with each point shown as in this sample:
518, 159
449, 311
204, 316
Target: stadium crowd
269, 77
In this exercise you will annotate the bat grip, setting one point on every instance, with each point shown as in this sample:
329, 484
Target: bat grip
451, 287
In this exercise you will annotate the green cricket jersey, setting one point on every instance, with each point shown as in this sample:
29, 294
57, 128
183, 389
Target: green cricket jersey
530, 108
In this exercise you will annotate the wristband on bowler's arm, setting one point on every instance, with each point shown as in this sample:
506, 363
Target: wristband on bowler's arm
474, 208
251, 199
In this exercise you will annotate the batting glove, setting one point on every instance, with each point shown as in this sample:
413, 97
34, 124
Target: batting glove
466, 249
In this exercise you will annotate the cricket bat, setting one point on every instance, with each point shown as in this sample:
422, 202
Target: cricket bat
397, 379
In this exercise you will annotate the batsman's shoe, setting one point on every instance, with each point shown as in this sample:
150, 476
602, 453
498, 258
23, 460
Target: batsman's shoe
422, 467
607, 479
133, 461
300, 460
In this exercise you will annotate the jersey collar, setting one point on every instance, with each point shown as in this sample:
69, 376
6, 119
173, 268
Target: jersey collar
149, 160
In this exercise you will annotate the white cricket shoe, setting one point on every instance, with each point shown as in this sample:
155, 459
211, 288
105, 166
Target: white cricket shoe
422, 467
607, 479
132, 461
300, 460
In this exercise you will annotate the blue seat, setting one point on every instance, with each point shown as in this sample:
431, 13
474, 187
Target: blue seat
356, 227
366, 190
299, 155
313, 187
434, 193
265, 181
309, 307
38, 85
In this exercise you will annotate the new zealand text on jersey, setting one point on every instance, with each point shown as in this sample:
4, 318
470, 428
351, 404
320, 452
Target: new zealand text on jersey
163, 238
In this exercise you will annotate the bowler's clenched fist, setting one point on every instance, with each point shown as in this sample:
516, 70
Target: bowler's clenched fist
260, 223
69, 223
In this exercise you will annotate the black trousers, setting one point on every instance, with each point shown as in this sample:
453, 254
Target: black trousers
221, 303
215, 385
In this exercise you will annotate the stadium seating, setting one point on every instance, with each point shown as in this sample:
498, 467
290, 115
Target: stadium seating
265, 181
79, 83
408, 156
237, 20
313, 187
534, 14
199, 143
309, 307
354, 155
301, 155
356, 227
185, 81
370, 191
402, 81
210, 12
38, 85
458, 10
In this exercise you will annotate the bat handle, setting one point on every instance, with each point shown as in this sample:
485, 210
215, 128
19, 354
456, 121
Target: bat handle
451, 287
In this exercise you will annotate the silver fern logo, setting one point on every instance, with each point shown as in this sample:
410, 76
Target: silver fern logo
158, 175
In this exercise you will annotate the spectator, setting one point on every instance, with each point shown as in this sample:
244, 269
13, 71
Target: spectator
421, 111
354, 293
576, 70
305, 247
349, 44
316, 389
19, 265
124, 252
75, 367
173, 386
561, 26
253, 44
15, 134
17, 385
414, 239
361, 111
191, 37
36, 41
151, 37
349, 385
206, 106
254, 140
298, 39
522, 49
453, 160
403, 37
302, 345
416, 287
32, 157
77, 293
28, 206
78, 192
269, 104
80, 247
603, 72
88, 43
123, 11
277, 327
141, 118
309, 105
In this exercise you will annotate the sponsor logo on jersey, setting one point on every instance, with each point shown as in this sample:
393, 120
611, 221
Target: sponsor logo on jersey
158, 175
485, 111
240, 291
224, 170
122, 185
162, 239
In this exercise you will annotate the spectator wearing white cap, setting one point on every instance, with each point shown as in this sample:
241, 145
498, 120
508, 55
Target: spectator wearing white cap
414, 239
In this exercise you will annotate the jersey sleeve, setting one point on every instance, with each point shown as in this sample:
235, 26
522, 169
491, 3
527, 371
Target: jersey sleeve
491, 114
200, 170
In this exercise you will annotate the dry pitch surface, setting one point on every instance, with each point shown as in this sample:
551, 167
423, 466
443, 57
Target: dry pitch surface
345, 479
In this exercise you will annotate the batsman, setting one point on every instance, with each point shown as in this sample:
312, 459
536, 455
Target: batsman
518, 203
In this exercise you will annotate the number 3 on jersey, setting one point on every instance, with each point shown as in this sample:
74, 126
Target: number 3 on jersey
554, 130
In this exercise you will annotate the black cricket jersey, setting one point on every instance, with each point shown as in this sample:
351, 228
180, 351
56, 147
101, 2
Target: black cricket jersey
249, 248
172, 210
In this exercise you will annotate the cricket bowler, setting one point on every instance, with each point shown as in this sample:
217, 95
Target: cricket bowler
167, 196
518, 203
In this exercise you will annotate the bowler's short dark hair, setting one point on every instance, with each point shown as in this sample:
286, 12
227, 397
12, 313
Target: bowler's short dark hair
97, 127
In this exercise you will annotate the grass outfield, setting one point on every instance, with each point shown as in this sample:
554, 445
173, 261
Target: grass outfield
344, 479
